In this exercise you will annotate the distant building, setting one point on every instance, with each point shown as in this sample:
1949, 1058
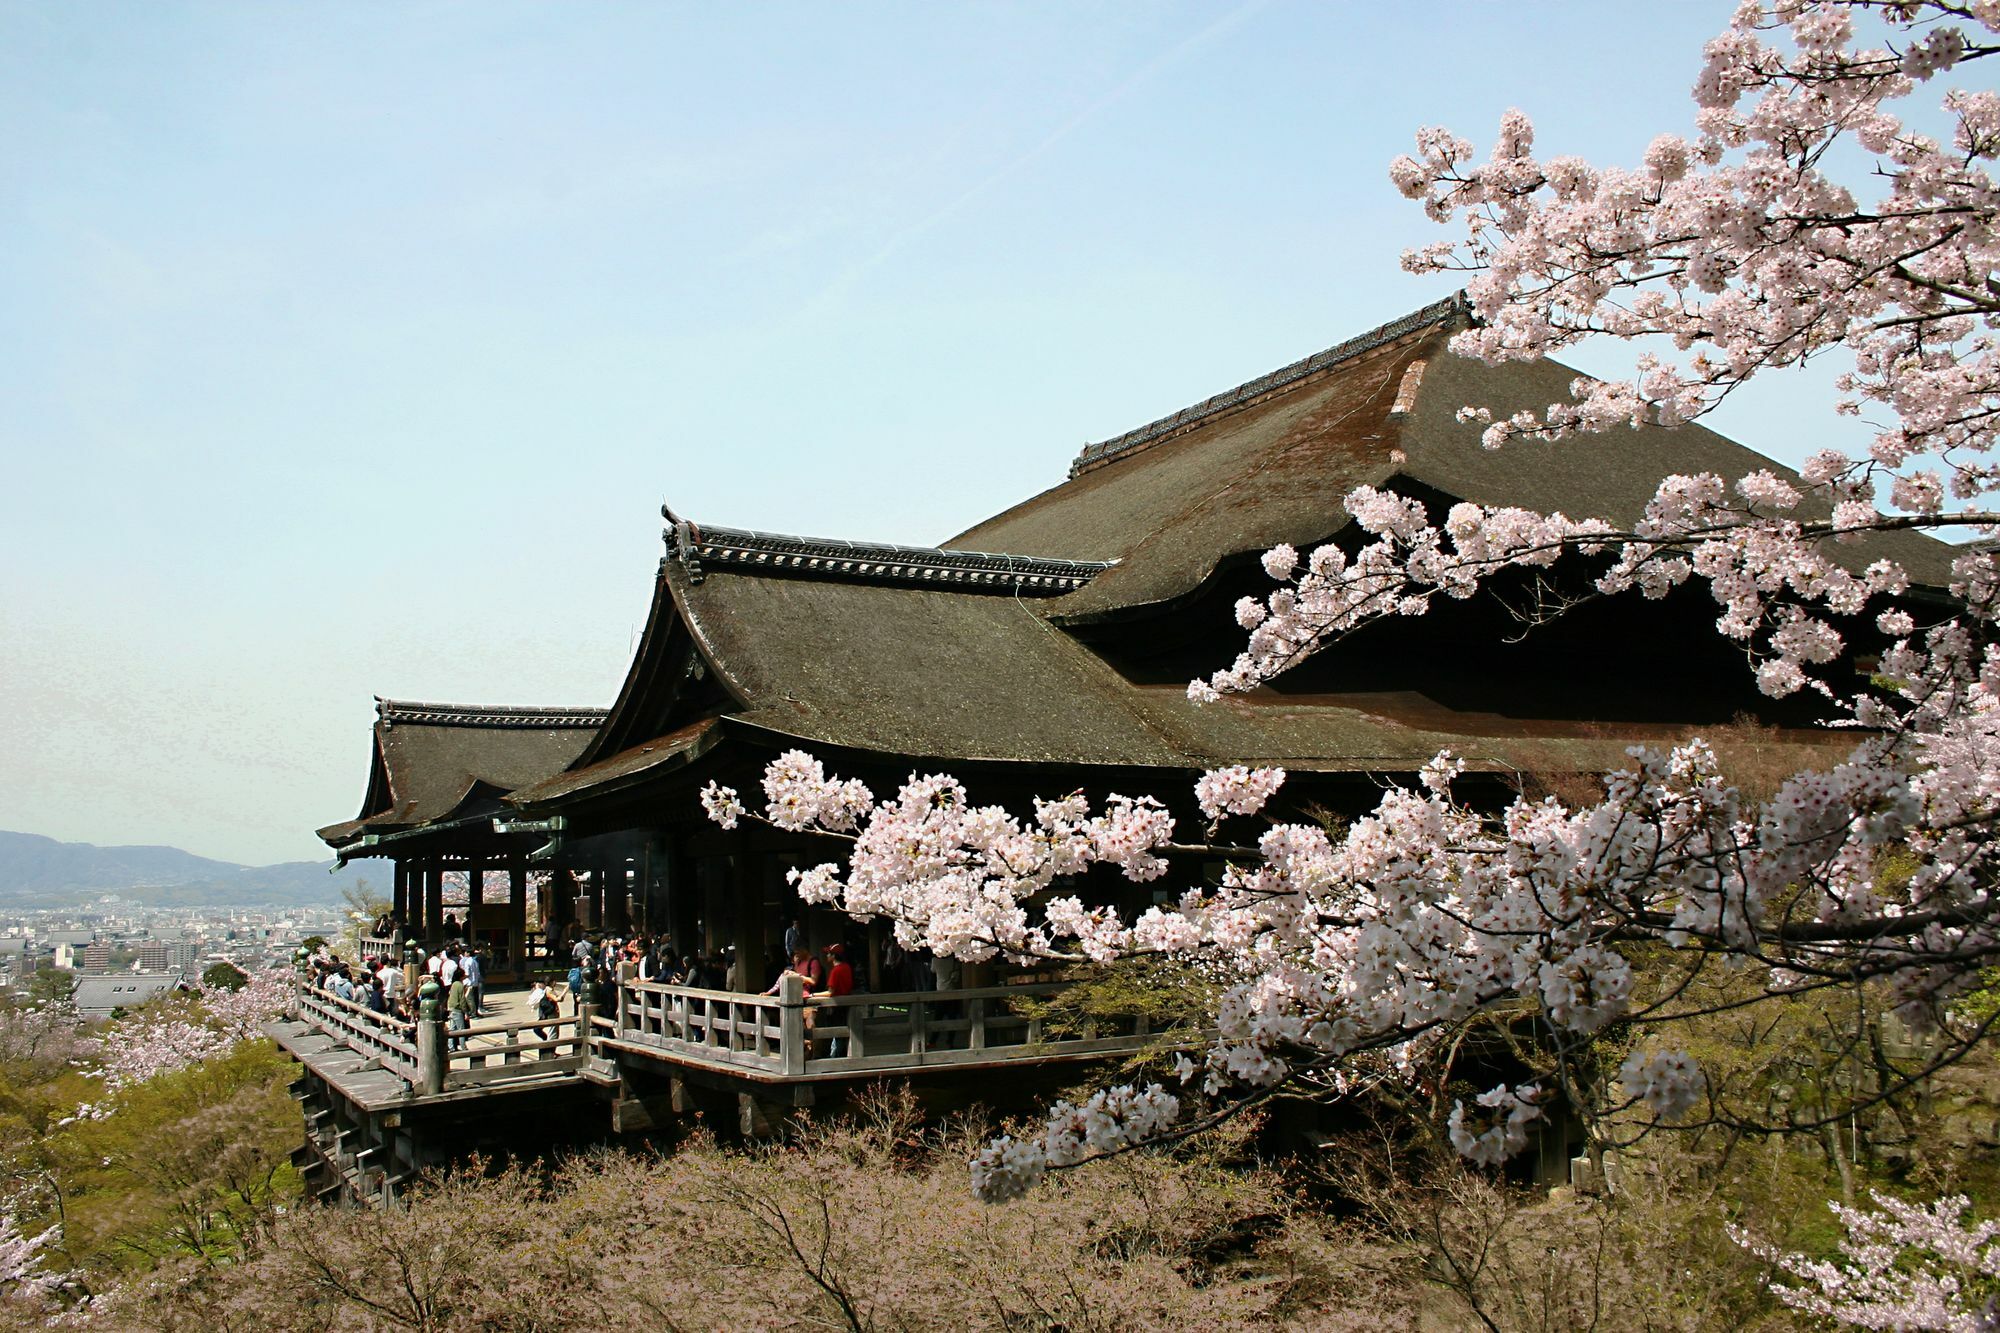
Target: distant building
97, 956
101, 996
182, 954
154, 956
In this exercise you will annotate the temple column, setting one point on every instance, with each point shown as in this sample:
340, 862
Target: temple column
747, 888
683, 901
517, 920
399, 894
433, 901
475, 896
561, 912
617, 899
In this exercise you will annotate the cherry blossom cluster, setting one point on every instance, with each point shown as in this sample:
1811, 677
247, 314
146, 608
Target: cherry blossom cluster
147, 1045
1668, 1083
1498, 1128
1736, 249
957, 878
1110, 1120
1426, 911
1740, 248
1237, 790
21, 1270
1901, 1266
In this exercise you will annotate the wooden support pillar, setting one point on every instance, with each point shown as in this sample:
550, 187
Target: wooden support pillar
683, 899
618, 898
399, 896
792, 1024
517, 919
653, 919
597, 898
475, 886
433, 929
746, 886
561, 913
431, 1056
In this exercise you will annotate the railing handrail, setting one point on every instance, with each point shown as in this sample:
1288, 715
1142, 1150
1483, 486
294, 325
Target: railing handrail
858, 997
514, 1025
696, 992
939, 996
877, 1033
327, 997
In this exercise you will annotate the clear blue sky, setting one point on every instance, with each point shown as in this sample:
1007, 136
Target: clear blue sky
351, 349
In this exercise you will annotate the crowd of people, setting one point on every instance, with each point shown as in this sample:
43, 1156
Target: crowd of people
391, 987
831, 969
599, 965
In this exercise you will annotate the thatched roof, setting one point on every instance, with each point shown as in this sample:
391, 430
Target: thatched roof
1271, 460
965, 653
429, 760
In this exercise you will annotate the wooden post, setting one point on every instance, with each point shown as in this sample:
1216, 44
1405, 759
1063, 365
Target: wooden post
433, 902
792, 1049
517, 919
618, 899
585, 1014
747, 888
399, 901
561, 911
430, 1056
684, 906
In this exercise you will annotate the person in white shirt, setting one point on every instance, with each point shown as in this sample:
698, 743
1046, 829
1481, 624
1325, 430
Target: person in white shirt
538, 996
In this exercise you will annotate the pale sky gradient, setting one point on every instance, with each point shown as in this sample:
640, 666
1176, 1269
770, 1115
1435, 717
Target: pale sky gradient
351, 349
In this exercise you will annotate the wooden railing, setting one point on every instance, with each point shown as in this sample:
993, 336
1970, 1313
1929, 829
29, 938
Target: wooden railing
521, 1052
787, 1035
433, 1059
380, 949
723, 1027
388, 1039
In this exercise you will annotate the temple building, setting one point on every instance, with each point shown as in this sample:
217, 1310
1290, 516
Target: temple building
1048, 650
436, 773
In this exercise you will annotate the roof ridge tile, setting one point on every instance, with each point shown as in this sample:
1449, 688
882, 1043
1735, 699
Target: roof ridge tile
875, 562
392, 711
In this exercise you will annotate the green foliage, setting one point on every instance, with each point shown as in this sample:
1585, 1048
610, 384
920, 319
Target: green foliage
1979, 1007
51, 985
1165, 992
188, 1164
225, 976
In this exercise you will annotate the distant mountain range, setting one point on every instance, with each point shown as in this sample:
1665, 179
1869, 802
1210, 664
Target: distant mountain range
41, 872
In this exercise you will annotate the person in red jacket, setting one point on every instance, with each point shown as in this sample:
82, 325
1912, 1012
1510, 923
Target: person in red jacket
840, 981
